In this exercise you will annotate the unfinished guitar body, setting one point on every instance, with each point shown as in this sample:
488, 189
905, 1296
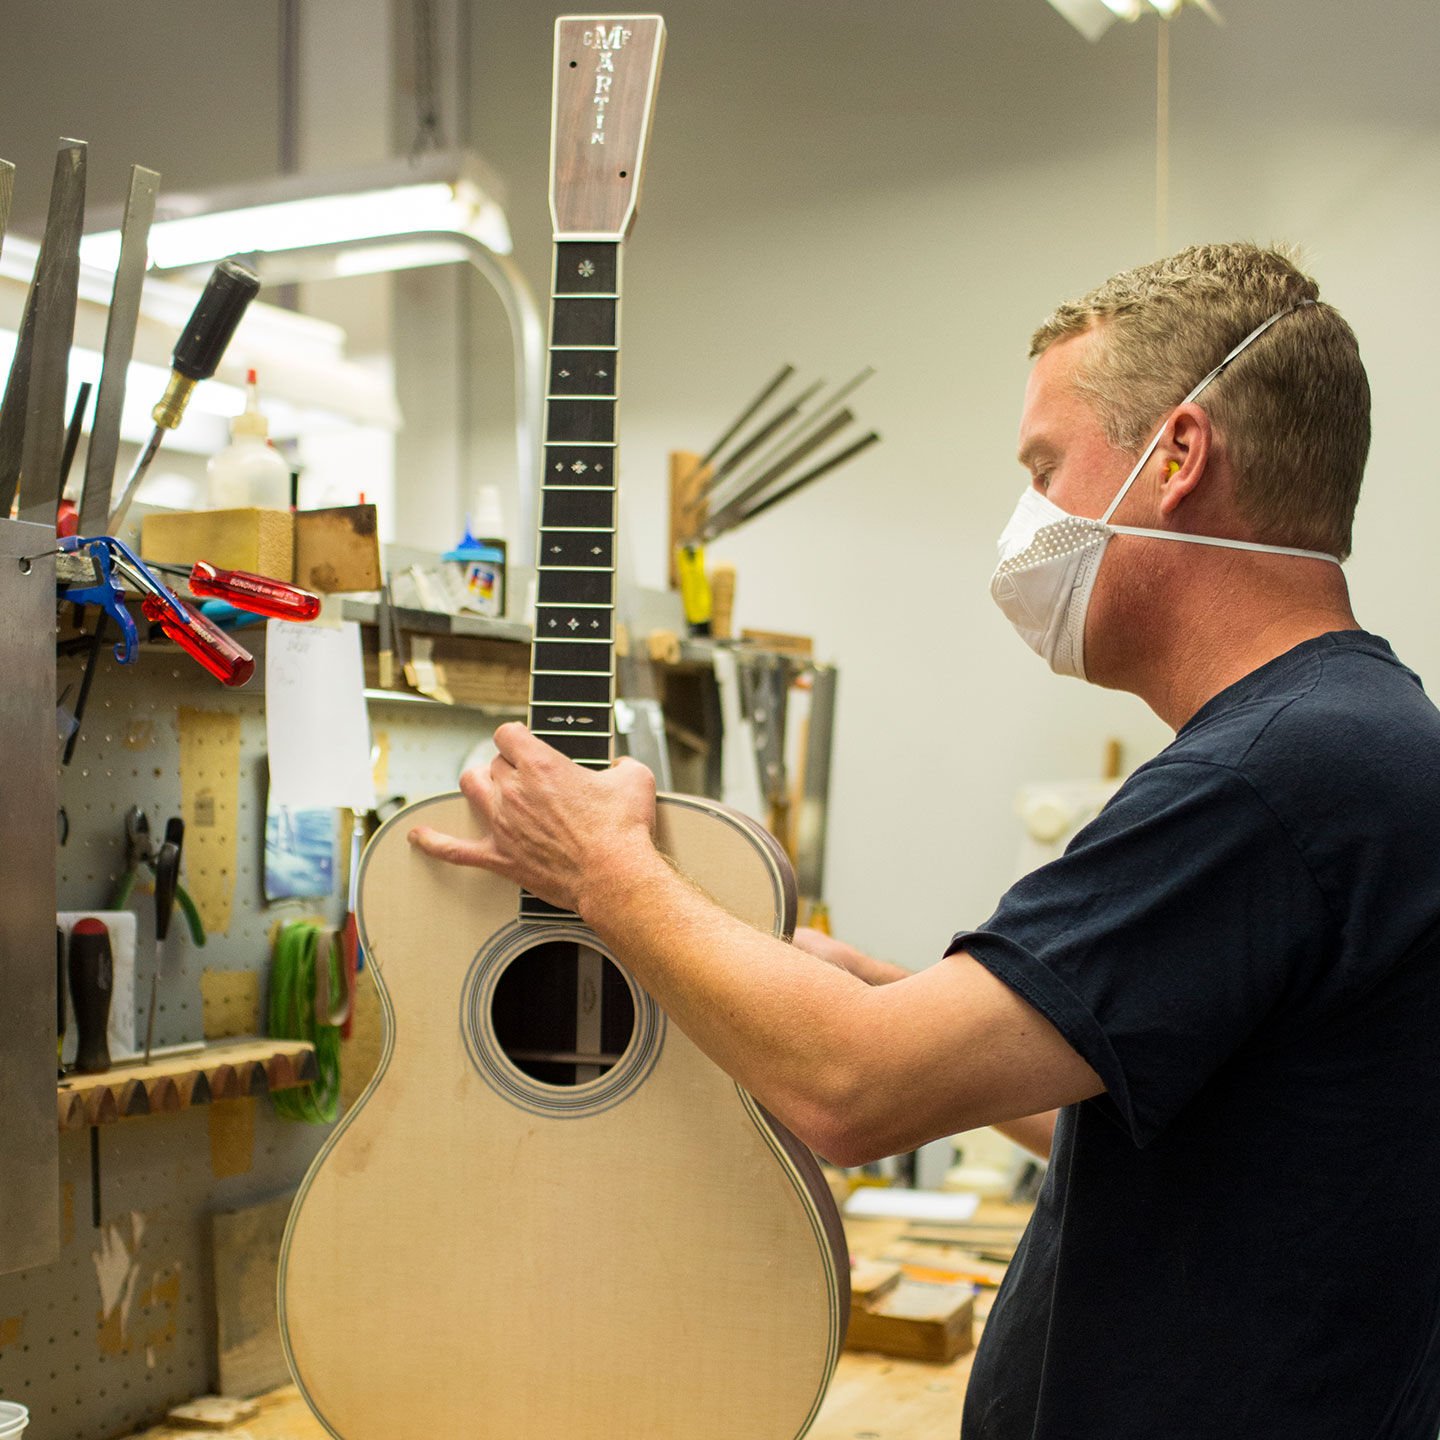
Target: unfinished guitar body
499, 1244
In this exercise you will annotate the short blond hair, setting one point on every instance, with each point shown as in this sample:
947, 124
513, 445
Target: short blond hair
1293, 411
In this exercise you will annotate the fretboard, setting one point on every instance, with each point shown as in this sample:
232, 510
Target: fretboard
572, 662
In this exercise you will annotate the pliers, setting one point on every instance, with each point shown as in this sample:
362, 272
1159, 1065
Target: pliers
163, 861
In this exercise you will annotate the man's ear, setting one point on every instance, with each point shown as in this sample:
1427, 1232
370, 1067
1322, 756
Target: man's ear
1184, 454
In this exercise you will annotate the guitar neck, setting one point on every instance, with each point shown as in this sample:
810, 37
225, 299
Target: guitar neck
572, 665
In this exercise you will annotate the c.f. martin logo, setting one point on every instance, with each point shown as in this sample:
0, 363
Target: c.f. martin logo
606, 42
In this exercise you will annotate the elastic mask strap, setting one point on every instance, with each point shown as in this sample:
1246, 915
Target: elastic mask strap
1227, 544
1244, 345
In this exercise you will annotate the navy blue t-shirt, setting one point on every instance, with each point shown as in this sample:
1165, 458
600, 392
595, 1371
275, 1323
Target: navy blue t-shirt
1241, 1236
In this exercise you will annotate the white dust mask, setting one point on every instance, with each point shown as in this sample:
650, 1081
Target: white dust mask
1049, 558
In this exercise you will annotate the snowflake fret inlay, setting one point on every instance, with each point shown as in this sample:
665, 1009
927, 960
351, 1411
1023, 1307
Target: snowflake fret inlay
580, 467
586, 268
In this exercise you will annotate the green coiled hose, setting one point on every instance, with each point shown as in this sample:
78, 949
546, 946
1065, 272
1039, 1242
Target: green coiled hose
293, 1017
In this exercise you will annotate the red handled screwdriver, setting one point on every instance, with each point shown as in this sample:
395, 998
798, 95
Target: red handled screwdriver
257, 593
229, 663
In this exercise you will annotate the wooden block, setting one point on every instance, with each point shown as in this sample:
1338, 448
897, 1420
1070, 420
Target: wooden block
101, 1107
688, 510
722, 602
261, 541
247, 1259
213, 1412
780, 642
916, 1320
337, 549
870, 1279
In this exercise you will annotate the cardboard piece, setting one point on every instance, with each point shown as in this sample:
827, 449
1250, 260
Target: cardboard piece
210, 803
247, 1260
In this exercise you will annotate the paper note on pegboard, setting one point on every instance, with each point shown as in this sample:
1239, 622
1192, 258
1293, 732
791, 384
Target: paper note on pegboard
210, 799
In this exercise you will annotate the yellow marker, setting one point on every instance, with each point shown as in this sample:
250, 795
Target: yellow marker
694, 586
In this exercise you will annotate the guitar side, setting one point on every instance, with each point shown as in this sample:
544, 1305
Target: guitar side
647, 1253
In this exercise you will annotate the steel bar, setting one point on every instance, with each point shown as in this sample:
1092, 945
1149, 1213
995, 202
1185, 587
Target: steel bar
119, 346
767, 457
733, 511
767, 431
744, 418
57, 275
7, 195
824, 468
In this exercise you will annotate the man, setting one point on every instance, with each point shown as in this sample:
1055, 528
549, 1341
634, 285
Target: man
1231, 980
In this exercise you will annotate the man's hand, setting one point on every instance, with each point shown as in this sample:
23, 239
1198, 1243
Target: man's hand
551, 826
847, 957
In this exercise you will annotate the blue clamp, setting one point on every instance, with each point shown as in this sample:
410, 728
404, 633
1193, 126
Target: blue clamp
109, 554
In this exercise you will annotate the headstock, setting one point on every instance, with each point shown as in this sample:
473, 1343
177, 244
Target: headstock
607, 68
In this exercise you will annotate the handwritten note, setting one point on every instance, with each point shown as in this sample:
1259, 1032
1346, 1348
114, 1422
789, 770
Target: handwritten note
316, 727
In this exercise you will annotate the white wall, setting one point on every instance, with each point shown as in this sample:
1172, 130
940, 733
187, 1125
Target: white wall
911, 186
914, 187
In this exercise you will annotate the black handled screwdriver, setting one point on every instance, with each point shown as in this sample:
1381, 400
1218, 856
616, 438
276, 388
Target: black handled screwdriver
60, 997
221, 306
92, 979
167, 879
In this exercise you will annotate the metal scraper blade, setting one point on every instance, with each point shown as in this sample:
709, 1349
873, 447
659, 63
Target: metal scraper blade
57, 275
119, 346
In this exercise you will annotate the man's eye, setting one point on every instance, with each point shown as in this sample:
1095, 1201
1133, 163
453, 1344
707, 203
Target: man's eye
1042, 480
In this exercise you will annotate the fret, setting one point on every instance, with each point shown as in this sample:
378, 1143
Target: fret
579, 420
568, 716
577, 509
577, 587
590, 267
570, 689
582, 372
568, 465
592, 549
581, 747
571, 657
582, 320
565, 622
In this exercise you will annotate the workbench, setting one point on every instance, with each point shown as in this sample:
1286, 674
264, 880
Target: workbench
871, 1396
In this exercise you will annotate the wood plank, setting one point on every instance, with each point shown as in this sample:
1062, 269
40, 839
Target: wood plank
177, 1082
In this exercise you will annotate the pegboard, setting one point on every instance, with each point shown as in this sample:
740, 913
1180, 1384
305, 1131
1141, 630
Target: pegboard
121, 1325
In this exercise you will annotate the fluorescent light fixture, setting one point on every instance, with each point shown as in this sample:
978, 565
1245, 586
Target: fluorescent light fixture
441, 208
442, 193
1092, 18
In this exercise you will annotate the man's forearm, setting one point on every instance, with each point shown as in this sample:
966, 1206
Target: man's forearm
781, 1024
1035, 1133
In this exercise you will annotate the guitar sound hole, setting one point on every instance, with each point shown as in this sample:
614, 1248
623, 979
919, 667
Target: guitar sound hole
562, 1013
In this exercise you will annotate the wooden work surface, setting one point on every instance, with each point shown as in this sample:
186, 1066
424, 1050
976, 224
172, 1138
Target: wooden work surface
874, 1396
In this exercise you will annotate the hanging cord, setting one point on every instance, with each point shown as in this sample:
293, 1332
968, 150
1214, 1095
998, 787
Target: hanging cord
427, 108
1162, 136
296, 993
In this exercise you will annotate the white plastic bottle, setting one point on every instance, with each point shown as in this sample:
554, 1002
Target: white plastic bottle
249, 472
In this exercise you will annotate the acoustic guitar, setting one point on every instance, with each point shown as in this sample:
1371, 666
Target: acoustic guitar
550, 1217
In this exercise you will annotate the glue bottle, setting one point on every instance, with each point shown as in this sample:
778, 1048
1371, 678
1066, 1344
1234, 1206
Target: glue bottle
249, 472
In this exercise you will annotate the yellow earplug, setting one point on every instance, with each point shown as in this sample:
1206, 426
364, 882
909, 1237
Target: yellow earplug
1172, 467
